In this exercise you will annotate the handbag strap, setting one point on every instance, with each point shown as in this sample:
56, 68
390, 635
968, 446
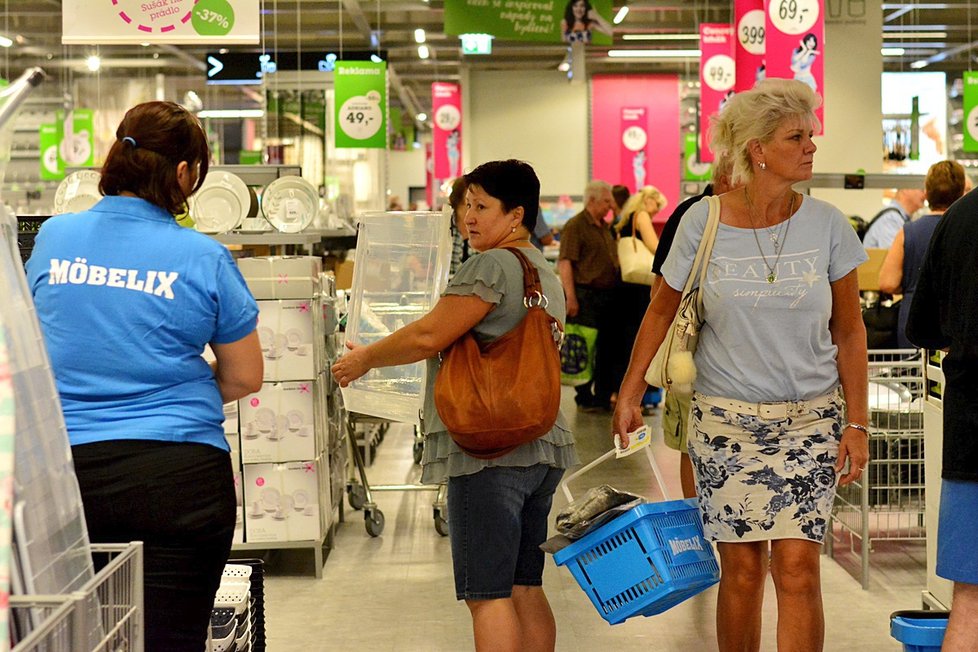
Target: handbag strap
704, 250
532, 289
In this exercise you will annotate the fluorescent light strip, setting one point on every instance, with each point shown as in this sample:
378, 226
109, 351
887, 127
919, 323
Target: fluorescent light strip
231, 113
653, 54
898, 35
660, 37
620, 16
892, 52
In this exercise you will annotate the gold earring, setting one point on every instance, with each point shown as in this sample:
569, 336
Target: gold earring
513, 230
762, 165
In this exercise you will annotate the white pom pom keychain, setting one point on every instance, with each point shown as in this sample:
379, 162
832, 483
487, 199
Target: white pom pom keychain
682, 371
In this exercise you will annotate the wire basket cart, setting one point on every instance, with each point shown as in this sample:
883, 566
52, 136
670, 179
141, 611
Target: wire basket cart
105, 615
887, 502
359, 490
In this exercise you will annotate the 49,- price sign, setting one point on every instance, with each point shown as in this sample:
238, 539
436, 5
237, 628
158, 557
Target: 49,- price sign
717, 76
159, 21
361, 104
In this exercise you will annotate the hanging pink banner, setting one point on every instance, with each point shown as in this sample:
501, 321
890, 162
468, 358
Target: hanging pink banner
749, 48
446, 108
794, 32
717, 77
634, 146
429, 176
609, 105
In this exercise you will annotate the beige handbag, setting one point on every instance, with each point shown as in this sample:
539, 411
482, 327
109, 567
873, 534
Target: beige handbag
635, 260
672, 368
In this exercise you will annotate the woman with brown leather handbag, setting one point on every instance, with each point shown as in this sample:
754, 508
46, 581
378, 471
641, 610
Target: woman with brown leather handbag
497, 506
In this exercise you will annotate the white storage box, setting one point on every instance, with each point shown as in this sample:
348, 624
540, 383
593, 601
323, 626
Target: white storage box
282, 501
230, 418
282, 277
289, 335
283, 422
400, 269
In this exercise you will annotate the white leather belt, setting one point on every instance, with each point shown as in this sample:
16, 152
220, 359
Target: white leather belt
773, 410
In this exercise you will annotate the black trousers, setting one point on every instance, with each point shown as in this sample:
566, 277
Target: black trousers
596, 311
178, 499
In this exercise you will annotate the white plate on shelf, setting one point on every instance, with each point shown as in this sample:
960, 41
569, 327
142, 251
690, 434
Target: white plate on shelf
290, 204
77, 192
221, 203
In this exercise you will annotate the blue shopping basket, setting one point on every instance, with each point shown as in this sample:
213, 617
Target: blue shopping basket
644, 562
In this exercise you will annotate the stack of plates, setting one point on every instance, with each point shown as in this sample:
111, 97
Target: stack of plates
77, 192
290, 204
221, 203
257, 604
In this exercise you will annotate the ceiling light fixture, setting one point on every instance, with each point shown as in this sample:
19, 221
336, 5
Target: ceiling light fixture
900, 35
419, 35
376, 59
917, 65
423, 51
892, 52
563, 66
5, 42
660, 37
620, 16
653, 54
228, 114
93, 63
421, 117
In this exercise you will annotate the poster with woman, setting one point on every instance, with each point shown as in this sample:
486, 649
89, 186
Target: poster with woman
794, 33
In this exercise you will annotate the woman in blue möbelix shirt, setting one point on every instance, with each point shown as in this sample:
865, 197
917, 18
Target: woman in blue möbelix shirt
127, 301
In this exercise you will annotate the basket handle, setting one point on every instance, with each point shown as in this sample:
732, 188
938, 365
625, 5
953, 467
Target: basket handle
610, 454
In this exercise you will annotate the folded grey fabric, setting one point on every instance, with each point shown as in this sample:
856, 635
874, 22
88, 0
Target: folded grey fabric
595, 508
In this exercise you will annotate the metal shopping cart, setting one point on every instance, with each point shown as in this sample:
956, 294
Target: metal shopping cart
887, 503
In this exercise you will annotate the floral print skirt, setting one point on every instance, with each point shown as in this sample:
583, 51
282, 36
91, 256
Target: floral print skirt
761, 479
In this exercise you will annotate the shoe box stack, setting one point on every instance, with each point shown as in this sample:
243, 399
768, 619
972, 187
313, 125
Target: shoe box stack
283, 431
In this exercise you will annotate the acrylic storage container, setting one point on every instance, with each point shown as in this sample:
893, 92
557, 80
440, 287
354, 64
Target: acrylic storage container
399, 271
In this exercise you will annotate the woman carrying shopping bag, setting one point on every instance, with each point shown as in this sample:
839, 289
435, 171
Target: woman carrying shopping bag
779, 407
497, 507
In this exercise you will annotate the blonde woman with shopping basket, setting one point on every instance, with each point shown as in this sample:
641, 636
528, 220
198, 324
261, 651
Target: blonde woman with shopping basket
779, 406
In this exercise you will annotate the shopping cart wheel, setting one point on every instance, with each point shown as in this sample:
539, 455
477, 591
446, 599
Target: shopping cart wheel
356, 496
373, 520
441, 523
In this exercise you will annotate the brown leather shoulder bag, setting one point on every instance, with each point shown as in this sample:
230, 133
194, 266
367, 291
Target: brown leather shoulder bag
496, 396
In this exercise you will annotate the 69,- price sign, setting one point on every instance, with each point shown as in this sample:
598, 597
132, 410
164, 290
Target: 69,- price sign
360, 110
794, 32
717, 76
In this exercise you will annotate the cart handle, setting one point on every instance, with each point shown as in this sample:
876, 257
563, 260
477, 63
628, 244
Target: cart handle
610, 454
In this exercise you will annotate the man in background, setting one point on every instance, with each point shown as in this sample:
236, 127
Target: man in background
588, 267
887, 223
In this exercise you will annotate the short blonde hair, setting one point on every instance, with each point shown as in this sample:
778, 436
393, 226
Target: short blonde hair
636, 203
755, 115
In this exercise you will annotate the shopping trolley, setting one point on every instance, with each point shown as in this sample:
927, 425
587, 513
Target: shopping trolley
887, 502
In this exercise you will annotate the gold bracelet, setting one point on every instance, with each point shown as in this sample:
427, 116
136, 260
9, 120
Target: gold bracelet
857, 426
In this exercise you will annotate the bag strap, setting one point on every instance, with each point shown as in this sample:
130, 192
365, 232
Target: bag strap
532, 289
705, 248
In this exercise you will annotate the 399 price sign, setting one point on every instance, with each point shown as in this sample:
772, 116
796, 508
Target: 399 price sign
794, 42
749, 26
717, 76
361, 104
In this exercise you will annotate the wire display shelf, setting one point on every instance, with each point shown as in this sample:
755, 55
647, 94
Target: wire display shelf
108, 609
887, 503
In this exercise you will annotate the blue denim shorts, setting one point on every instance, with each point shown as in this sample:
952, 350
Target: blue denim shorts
497, 519
957, 531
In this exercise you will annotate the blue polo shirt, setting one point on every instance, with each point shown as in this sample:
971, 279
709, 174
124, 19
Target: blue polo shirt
127, 299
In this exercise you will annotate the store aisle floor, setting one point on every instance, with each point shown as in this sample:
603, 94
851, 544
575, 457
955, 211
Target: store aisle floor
395, 593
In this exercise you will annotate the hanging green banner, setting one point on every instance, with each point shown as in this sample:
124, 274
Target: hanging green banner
51, 167
360, 104
970, 111
543, 21
693, 169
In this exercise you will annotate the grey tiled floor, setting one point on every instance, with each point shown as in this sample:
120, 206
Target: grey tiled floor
395, 593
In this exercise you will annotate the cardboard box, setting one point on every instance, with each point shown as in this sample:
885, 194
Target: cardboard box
291, 344
287, 502
283, 422
344, 275
282, 277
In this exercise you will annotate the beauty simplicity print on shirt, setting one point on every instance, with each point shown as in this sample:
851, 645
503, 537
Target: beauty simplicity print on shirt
745, 279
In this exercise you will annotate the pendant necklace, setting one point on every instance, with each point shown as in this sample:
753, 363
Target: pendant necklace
777, 238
